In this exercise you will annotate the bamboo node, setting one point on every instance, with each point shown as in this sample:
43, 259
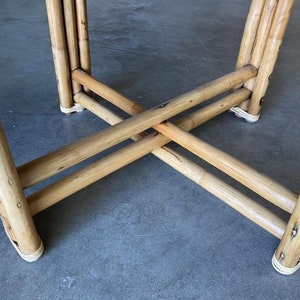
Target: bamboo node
162, 105
261, 101
294, 231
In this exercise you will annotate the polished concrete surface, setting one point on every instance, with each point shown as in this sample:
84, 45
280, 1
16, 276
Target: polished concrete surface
147, 232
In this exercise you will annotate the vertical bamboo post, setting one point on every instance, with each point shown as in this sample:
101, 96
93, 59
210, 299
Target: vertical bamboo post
249, 34
253, 43
72, 41
262, 35
15, 213
83, 37
278, 28
286, 259
60, 53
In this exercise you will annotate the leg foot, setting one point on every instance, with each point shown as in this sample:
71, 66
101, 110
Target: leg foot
282, 269
75, 108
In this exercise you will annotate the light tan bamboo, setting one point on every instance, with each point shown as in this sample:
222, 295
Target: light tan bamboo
94, 172
67, 156
75, 182
261, 38
83, 37
250, 31
106, 92
60, 53
189, 122
72, 41
280, 21
232, 197
288, 252
128, 105
101, 111
243, 204
17, 217
262, 185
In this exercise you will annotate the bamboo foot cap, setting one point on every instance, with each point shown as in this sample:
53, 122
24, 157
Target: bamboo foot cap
28, 257
281, 269
245, 115
75, 108
35, 256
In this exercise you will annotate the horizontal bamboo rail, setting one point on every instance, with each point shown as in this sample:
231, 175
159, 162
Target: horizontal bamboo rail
82, 178
262, 185
59, 160
188, 122
229, 195
60, 190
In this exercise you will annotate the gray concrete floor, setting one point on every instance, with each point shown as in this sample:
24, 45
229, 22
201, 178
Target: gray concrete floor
147, 232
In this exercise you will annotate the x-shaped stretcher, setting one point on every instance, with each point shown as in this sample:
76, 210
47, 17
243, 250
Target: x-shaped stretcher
247, 86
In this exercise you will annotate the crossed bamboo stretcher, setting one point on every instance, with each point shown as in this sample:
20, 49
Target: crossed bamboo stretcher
68, 24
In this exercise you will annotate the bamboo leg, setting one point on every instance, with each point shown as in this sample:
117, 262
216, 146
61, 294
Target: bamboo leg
286, 259
83, 37
60, 53
253, 44
15, 213
249, 34
261, 38
278, 28
72, 41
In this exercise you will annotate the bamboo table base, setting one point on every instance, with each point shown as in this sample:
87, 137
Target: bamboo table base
263, 34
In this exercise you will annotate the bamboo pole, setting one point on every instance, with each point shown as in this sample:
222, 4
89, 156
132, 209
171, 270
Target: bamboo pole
15, 211
64, 188
238, 201
70, 155
250, 31
128, 105
232, 197
287, 257
267, 188
278, 28
262, 185
106, 92
189, 122
83, 37
261, 38
72, 41
60, 53
80, 179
